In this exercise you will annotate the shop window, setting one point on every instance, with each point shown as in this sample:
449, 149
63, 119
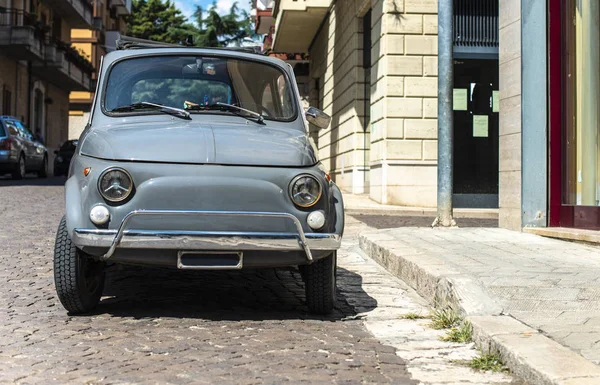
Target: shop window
581, 159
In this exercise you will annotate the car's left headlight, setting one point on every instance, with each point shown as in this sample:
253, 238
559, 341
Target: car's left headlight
115, 184
305, 190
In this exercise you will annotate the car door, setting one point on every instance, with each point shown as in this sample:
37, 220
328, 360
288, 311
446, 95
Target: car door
35, 150
27, 146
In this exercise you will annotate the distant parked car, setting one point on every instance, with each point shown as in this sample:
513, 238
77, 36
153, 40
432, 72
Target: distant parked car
20, 152
63, 157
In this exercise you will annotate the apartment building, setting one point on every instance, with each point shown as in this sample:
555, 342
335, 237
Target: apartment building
39, 67
109, 16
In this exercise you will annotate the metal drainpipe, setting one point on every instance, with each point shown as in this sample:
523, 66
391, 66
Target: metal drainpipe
445, 114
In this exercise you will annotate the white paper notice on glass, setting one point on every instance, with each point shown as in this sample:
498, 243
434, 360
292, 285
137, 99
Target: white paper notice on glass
480, 126
495, 101
460, 99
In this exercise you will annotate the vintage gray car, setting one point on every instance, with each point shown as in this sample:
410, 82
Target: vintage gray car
197, 159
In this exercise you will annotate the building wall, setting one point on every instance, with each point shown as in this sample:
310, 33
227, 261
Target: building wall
77, 122
395, 160
13, 77
404, 102
57, 118
337, 88
510, 115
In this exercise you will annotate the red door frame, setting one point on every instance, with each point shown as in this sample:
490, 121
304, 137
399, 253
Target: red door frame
555, 111
560, 214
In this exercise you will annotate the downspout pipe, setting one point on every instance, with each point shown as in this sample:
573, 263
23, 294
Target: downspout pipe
445, 114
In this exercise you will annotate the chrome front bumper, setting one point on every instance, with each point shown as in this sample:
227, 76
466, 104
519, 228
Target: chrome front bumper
206, 240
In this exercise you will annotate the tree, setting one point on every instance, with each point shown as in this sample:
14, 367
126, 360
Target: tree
217, 30
159, 21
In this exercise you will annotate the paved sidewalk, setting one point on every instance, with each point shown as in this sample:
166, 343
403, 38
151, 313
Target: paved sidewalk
551, 285
429, 360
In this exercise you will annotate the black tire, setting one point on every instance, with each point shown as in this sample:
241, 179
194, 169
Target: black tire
320, 284
79, 280
43, 171
19, 170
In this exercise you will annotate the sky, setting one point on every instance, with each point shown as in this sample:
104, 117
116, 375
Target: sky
189, 6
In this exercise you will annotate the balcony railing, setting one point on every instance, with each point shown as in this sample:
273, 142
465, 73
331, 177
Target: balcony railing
21, 35
64, 66
78, 13
73, 56
15, 18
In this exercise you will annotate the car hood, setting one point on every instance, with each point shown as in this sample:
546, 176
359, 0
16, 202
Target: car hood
192, 142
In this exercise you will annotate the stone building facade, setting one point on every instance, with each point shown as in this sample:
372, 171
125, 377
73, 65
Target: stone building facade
373, 68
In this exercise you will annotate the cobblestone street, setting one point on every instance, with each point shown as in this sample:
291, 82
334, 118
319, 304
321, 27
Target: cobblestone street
157, 326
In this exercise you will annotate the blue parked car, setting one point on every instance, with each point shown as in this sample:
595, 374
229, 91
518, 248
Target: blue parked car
20, 152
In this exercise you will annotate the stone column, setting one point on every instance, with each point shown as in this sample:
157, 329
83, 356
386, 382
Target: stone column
403, 154
510, 115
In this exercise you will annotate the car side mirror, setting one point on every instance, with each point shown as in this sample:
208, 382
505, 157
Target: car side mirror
317, 117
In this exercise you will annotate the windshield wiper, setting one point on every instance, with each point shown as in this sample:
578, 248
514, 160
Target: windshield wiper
226, 107
166, 109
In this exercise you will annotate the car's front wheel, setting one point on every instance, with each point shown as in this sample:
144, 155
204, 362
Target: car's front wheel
319, 282
79, 280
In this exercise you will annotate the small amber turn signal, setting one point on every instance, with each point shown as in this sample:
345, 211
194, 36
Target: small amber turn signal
86, 171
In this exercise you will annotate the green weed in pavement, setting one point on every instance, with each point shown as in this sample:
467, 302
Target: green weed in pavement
460, 334
444, 319
413, 316
486, 361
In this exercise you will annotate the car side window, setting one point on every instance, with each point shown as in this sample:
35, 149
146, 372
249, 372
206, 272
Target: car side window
12, 129
284, 97
2, 131
25, 133
267, 98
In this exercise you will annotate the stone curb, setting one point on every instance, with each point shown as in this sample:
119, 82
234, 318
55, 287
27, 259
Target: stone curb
433, 278
530, 355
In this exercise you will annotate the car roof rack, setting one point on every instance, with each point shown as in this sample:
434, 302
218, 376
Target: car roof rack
128, 42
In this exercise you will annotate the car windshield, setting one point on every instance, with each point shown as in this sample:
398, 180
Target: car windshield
199, 84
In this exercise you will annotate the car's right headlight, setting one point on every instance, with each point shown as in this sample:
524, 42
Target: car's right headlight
305, 190
115, 184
